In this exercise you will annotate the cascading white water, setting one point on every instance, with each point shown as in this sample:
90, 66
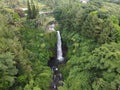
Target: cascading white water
59, 48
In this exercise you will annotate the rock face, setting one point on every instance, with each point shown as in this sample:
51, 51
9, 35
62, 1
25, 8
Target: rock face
57, 78
51, 27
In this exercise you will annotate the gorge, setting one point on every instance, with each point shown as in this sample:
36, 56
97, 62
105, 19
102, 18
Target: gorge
57, 75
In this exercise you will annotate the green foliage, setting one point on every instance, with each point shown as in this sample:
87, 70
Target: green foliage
32, 10
8, 70
103, 31
66, 16
37, 42
12, 55
91, 35
109, 33
92, 21
106, 60
90, 31
92, 26
24, 55
98, 70
40, 48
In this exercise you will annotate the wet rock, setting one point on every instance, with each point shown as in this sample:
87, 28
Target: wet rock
54, 86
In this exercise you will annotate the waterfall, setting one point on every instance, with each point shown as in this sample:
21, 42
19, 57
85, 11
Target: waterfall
57, 75
59, 48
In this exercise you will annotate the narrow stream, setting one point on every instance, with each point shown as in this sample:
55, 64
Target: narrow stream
57, 75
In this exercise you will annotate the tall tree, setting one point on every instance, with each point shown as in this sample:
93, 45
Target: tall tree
32, 10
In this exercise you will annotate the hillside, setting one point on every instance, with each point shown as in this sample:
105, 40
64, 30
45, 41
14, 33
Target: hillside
90, 35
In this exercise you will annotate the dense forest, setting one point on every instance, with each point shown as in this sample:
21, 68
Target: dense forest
90, 39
